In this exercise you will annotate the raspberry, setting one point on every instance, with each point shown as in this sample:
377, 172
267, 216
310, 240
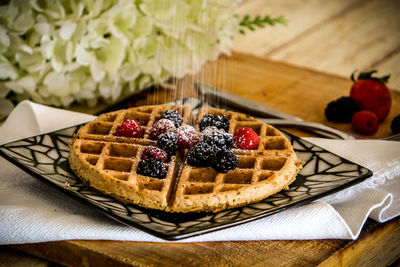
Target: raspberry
341, 109
224, 161
365, 122
152, 152
173, 116
160, 127
395, 125
130, 128
218, 139
168, 142
245, 138
153, 168
201, 155
219, 121
187, 136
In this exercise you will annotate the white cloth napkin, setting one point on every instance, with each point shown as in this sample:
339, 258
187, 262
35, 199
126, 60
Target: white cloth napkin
33, 211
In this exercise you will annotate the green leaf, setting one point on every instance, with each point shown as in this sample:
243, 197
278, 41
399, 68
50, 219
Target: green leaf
368, 75
259, 21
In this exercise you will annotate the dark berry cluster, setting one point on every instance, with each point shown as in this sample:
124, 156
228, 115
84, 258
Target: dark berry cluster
224, 161
168, 142
173, 116
219, 121
341, 109
218, 139
164, 131
211, 148
214, 149
152, 167
201, 155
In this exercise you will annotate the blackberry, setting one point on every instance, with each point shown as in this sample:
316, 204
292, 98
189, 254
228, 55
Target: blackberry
395, 125
168, 142
222, 122
201, 155
218, 139
153, 168
341, 109
219, 121
174, 116
206, 120
224, 161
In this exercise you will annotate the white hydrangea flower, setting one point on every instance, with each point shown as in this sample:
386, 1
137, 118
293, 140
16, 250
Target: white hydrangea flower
60, 52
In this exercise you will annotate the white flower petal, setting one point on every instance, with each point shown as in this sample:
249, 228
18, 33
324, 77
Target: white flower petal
83, 57
82, 51
7, 70
129, 72
97, 72
112, 56
30, 63
67, 29
105, 88
4, 40
28, 83
35, 6
116, 91
44, 28
14, 86
24, 22
69, 52
26, 48
66, 100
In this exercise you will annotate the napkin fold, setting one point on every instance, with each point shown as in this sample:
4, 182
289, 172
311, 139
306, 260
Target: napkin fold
33, 211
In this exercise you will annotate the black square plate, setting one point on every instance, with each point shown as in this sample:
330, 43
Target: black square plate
46, 157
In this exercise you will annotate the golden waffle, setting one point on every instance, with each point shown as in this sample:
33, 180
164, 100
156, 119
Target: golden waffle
109, 164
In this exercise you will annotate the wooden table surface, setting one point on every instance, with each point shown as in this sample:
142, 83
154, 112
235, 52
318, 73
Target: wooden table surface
334, 37
294, 90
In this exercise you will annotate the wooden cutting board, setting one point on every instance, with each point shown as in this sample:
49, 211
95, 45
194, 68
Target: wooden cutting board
297, 91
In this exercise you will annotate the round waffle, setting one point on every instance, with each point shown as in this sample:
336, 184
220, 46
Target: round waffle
109, 163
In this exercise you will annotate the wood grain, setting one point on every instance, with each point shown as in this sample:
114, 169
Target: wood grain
337, 37
376, 246
303, 16
298, 91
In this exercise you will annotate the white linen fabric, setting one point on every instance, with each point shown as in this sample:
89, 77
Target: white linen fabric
33, 211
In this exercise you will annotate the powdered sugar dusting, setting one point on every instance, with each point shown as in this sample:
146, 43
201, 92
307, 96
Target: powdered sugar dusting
160, 127
187, 136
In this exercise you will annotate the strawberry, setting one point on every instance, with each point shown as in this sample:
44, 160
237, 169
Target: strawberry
365, 122
130, 128
371, 93
245, 138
